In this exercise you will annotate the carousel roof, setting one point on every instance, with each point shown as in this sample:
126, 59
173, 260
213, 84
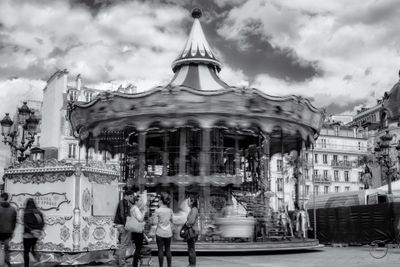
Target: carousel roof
196, 94
196, 66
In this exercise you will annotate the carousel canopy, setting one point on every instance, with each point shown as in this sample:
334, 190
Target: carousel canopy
196, 94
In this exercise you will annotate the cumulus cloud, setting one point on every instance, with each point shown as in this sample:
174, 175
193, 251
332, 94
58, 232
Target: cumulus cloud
354, 46
339, 53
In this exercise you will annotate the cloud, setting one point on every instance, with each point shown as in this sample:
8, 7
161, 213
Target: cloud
353, 47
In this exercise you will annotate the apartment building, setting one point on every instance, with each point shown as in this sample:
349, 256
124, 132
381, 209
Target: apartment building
333, 165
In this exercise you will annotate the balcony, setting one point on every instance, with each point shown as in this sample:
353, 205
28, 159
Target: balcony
320, 179
343, 164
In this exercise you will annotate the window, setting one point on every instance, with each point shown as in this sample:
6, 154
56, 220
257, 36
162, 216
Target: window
88, 96
325, 174
279, 165
280, 184
336, 175
72, 151
316, 188
306, 156
323, 142
345, 157
307, 176
346, 176
316, 158
307, 190
325, 158
326, 189
335, 158
72, 95
347, 188
316, 174
337, 189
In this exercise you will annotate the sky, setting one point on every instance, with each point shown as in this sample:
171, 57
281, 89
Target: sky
340, 54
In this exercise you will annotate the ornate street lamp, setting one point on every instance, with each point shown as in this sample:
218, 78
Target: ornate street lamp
20, 135
382, 150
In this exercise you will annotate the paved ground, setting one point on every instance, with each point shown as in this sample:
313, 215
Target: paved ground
329, 256
326, 257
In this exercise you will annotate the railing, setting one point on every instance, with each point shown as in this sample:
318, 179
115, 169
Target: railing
322, 179
344, 164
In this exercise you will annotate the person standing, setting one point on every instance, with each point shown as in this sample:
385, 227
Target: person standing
163, 220
8, 220
123, 211
191, 222
137, 211
33, 225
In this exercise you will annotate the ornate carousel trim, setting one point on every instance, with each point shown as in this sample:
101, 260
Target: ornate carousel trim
98, 220
53, 220
100, 245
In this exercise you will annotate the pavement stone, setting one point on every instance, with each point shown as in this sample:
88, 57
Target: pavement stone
327, 257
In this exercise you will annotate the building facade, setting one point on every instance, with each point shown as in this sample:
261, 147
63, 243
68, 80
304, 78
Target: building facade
334, 165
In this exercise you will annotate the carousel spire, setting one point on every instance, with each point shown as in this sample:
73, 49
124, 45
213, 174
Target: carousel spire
197, 66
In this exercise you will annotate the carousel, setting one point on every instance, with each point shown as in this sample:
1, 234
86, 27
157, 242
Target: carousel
199, 136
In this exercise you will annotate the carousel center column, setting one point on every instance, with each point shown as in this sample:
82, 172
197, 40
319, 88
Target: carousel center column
204, 173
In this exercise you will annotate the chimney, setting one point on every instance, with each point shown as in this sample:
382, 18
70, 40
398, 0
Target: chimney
78, 82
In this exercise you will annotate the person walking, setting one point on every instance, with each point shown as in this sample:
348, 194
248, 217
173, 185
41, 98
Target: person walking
124, 237
8, 215
163, 220
138, 211
191, 222
33, 226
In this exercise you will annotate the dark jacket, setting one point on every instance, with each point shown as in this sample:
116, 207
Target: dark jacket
8, 218
192, 219
33, 220
122, 212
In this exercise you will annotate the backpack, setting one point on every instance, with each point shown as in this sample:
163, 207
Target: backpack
39, 220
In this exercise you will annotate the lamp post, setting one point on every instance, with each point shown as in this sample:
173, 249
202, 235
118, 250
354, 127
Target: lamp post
20, 135
382, 150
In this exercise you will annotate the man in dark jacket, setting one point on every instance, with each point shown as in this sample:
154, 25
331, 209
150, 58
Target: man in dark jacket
8, 220
123, 211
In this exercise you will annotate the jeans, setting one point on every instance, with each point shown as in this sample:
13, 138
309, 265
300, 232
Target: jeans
192, 250
138, 240
161, 243
5, 239
29, 246
124, 241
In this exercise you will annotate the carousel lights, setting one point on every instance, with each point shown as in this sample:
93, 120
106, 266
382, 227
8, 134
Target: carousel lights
20, 135
382, 156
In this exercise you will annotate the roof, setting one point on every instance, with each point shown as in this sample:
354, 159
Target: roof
391, 102
196, 66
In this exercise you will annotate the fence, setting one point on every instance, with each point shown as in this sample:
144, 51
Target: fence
356, 224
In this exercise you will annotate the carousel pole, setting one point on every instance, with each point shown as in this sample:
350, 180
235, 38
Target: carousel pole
142, 160
165, 155
313, 184
182, 162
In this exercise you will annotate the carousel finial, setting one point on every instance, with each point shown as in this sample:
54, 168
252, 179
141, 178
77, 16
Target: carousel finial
196, 13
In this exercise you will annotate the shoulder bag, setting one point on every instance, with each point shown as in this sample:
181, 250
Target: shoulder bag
133, 225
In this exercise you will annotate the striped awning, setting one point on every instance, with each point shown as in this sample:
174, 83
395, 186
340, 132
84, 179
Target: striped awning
196, 66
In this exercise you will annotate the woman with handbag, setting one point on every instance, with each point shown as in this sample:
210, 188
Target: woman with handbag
163, 220
33, 226
193, 231
135, 224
